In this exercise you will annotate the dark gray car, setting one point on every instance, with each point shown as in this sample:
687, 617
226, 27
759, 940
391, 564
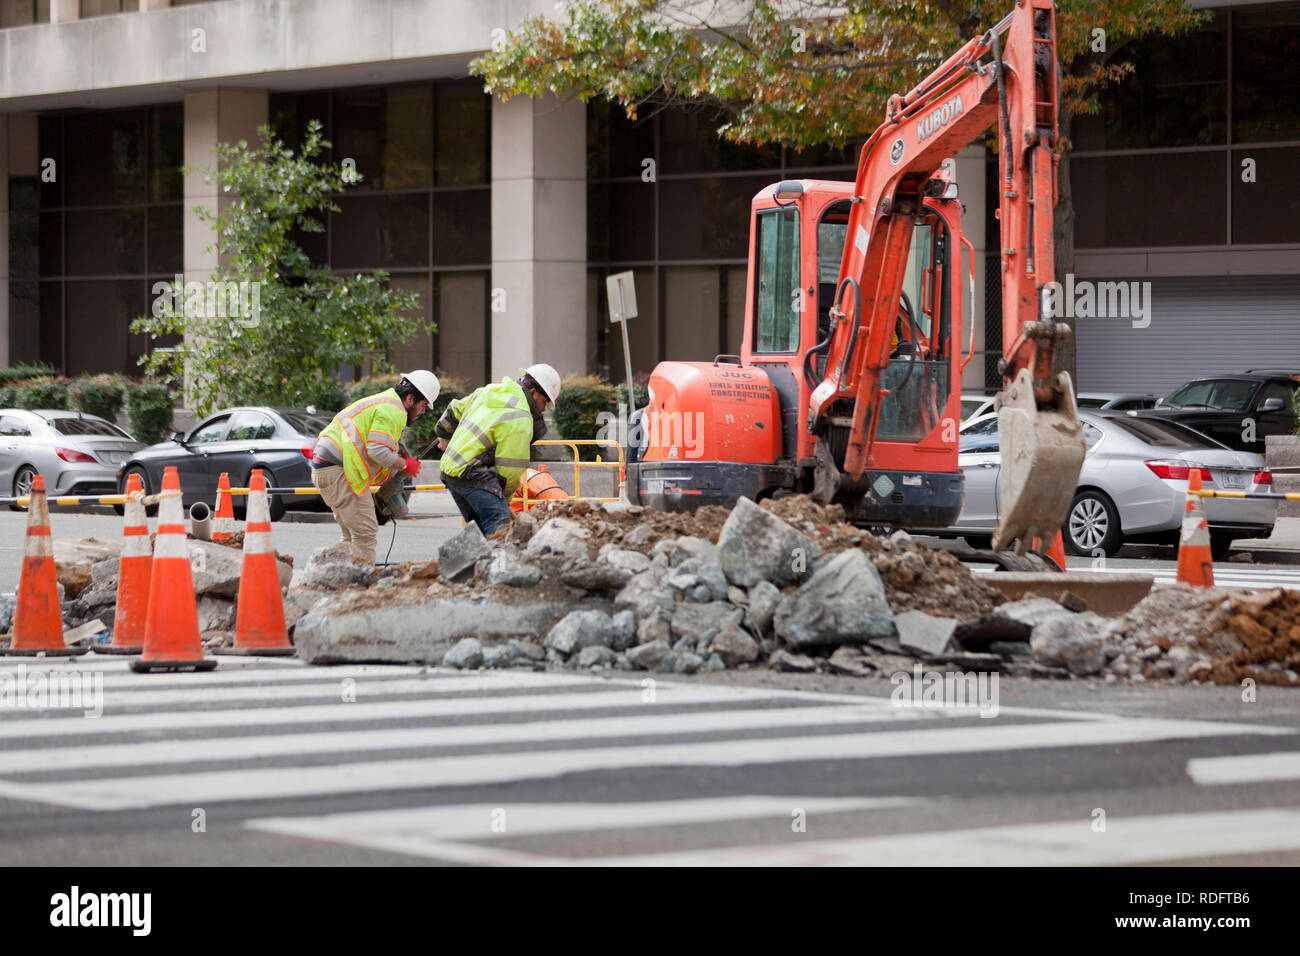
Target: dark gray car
236, 440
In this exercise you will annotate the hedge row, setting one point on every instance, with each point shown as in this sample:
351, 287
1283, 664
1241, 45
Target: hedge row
148, 406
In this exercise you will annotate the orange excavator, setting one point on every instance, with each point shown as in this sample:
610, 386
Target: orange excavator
847, 385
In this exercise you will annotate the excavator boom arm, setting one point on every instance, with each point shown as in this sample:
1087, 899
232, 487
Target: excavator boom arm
1012, 86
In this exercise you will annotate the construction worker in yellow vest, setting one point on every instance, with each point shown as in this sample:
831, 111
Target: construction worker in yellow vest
486, 439
360, 447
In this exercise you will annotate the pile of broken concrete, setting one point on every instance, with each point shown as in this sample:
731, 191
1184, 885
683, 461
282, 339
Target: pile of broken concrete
787, 585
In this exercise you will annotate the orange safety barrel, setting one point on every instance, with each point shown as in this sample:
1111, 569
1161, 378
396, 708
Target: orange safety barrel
541, 487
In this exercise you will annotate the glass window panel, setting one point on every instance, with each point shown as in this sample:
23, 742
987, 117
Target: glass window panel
99, 313
166, 239
1267, 210
690, 143
846, 155
51, 243
620, 222
462, 228
374, 232
416, 351
1176, 95
463, 130
103, 242
616, 146
17, 13
250, 426
27, 240
314, 244
50, 143
50, 334
209, 431
1174, 199
463, 324
710, 216
777, 280
1266, 74
691, 299
103, 8
166, 153
387, 131
289, 114
106, 165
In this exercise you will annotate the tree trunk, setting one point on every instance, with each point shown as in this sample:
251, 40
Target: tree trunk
1063, 238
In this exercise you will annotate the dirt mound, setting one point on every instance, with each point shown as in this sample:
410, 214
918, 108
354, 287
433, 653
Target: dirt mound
613, 527
1267, 627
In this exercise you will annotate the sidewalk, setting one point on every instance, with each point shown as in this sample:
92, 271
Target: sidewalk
1280, 547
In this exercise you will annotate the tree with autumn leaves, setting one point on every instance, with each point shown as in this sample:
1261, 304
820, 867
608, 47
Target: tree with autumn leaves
803, 72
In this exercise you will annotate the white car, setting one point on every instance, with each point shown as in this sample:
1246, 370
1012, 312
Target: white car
1133, 486
973, 406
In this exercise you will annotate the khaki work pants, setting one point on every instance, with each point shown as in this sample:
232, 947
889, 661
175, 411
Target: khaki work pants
355, 515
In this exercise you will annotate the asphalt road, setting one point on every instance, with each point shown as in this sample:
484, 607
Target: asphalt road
264, 762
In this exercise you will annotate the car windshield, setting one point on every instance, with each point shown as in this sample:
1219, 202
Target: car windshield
1226, 394
304, 423
87, 426
1155, 432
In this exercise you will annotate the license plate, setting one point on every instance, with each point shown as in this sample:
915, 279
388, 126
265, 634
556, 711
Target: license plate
1233, 480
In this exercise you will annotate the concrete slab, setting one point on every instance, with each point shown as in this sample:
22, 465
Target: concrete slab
1110, 593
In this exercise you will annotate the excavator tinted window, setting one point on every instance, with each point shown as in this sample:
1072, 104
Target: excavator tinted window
776, 322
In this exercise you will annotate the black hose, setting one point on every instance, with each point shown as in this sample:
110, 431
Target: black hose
1002, 109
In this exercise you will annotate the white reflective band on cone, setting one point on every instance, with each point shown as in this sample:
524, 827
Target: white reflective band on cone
170, 544
257, 529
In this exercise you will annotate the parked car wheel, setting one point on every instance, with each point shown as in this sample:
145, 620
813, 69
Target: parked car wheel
23, 484
1092, 525
150, 510
240, 502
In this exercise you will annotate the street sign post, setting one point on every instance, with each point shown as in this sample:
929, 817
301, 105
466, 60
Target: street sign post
622, 306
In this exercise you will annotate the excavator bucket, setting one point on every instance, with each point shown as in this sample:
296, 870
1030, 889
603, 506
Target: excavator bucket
1042, 453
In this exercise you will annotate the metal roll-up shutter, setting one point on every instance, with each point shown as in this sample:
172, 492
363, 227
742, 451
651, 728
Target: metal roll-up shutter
1200, 325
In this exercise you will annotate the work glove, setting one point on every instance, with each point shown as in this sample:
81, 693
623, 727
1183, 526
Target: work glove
412, 467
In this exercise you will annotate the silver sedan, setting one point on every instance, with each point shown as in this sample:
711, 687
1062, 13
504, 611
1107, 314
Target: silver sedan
1133, 486
77, 454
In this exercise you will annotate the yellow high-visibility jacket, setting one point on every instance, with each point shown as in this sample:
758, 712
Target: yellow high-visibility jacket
366, 434
493, 427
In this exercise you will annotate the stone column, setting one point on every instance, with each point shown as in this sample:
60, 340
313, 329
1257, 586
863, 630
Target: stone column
65, 11
539, 235
212, 116
969, 174
18, 157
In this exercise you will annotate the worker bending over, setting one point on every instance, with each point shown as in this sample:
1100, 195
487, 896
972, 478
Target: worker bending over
486, 439
359, 449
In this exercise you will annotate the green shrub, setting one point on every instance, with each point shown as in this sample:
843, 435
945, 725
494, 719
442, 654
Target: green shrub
582, 400
370, 386
639, 389
149, 411
327, 396
42, 393
101, 395
8, 396
19, 373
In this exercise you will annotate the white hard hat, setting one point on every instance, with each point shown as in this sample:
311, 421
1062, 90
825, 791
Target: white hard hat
425, 382
546, 377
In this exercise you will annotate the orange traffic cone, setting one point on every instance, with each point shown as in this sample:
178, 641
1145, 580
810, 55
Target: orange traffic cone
1057, 551
1195, 563
259, 626
38, 619
133, 576
223, 519
171, 633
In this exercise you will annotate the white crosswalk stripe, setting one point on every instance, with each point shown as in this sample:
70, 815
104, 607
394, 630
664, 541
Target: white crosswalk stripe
1225, 575
263, 731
